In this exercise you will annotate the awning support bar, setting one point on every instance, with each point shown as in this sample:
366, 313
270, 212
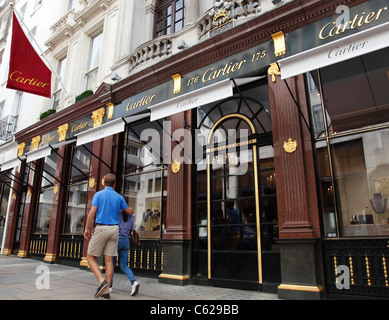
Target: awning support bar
69, 162
113, 171
298, 106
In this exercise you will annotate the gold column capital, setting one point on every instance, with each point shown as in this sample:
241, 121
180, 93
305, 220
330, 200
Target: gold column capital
62, 131
97, 117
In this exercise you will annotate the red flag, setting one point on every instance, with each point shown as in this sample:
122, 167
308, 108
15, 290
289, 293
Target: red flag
27, 71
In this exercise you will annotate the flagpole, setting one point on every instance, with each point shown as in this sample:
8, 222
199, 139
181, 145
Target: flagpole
12, 4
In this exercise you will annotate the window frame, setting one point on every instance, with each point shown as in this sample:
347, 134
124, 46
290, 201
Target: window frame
163, 5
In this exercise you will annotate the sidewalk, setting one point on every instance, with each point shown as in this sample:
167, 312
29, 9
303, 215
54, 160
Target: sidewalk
18, 278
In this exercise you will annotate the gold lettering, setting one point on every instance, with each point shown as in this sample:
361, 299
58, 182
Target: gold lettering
132, 105
48, 139
80, 126
331, 29
212, 74
321, 35
370, 17
380, 11
17, 76
13, 74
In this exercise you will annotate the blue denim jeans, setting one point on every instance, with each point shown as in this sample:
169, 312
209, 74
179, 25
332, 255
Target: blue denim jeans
123, 248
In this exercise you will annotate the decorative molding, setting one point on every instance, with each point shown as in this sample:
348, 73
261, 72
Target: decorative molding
279, 43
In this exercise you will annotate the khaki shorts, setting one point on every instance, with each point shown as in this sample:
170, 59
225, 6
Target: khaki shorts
104, 240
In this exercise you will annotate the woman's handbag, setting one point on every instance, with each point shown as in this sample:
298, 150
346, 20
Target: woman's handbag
134, 239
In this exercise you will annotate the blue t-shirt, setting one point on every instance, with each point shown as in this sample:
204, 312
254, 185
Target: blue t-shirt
108, 203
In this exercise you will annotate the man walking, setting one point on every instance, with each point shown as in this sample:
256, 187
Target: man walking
105, 209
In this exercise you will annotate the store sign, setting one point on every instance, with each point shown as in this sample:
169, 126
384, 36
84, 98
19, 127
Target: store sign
344, 24
242, 64
332, 29
352, 33
363, 43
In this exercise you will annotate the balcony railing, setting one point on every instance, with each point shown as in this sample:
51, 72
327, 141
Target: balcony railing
7, 128
155, 49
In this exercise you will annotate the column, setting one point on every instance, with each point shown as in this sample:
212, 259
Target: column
12, 218
58, 206
297, 202
31, 203
176, 241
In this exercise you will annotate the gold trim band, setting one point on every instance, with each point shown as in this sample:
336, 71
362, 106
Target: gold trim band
296, 287
7, 252
173, 276
22, 254
50, 257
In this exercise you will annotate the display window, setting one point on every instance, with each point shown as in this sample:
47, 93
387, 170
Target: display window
46, 195
144, 180
5, 184
78, 190
349, 107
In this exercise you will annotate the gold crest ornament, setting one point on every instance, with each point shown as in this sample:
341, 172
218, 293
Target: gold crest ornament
274, 71
290, 146
176, 167
92, 182
56, 189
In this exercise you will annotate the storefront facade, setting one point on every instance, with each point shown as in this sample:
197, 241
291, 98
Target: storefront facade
247, 165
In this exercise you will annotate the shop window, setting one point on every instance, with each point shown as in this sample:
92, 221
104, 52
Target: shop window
5, 190
169, 17
77, 190
144, 178
352, 143
355, 93
46, 194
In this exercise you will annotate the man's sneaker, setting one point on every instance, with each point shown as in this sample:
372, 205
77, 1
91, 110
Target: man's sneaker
135, 288
100, 290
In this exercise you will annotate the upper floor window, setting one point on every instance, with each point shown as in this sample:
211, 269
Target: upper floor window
169, 17
94, 59
72, 4
37, 4
58, 85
